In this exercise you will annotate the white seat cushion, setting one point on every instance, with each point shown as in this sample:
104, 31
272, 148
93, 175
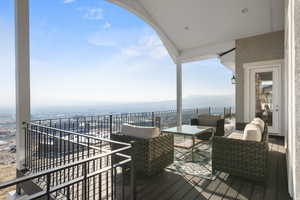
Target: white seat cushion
259, 122
236, 135
140, 131
252, 132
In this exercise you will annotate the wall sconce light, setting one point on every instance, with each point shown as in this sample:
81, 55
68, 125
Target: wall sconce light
233, 80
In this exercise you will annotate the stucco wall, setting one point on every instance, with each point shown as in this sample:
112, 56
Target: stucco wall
253, 49
296, 137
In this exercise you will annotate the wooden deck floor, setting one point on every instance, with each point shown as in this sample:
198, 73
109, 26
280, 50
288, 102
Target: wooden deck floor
174, 187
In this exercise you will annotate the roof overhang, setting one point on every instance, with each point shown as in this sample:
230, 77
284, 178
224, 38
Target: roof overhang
195, 30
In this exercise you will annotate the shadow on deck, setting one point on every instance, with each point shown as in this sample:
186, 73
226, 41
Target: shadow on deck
168, 185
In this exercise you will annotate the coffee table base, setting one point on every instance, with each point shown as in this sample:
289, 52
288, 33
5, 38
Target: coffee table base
197, 164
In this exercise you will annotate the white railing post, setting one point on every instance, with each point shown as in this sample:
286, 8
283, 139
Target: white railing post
179, 93
22, 76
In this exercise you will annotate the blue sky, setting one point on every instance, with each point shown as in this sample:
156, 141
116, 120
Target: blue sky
87, 51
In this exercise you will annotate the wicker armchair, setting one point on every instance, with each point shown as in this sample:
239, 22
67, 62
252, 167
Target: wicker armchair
151, 155
218, 124
247, 159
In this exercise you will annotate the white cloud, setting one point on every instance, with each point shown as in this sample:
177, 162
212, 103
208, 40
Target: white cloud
111, 37
131, 42
131, 52
149, 45
92, 13
69, 1
107, 25
101, 42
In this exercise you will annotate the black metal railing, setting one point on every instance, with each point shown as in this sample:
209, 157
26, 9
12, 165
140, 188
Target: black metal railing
55, 142
74, 158
228, 113
69, 165
82, 184
47, 147
103, 125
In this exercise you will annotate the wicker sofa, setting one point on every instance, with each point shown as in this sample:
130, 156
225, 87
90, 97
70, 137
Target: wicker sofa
210, 120
247, 159
152, 155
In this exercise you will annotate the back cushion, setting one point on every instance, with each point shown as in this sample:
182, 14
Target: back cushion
140, 131
259, 122
208, 120
252, 132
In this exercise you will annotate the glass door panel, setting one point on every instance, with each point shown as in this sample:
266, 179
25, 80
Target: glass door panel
264, 96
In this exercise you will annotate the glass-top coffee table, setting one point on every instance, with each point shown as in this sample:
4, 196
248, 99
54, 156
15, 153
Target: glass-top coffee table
192, 156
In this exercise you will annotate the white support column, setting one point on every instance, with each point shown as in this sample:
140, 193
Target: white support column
22, 76
179, 93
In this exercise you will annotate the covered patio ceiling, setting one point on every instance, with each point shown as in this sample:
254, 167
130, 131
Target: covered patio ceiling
199, 29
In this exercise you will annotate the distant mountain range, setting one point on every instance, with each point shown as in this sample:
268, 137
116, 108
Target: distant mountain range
202, 101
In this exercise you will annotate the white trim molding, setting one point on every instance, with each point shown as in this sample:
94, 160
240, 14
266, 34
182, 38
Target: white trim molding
248, 67
267, 63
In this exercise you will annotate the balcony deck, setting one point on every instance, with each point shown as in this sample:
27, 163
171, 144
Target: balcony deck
172, 186
44, 152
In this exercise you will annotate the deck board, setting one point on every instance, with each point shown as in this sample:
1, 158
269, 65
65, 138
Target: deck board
198, 187
245, 191
212, 187
222, 189
177, 192
233, 190
282, 191
169, 185
271, 192
258, 192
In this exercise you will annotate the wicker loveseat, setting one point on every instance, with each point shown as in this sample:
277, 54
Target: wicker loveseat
247, 159
210, 120
152, 155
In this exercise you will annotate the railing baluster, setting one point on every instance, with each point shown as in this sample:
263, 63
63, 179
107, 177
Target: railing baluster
110, 124
26, 146
112, 176
84, 181
37, 166
123, 182
100, 179
107, 178
88, 165
115, 181
48, 185
100, 184
94, 179
68, 193
132, 172
30, 145
47, 149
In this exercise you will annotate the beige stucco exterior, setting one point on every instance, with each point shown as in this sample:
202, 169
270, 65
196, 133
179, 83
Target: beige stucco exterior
295, 136
254, 49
